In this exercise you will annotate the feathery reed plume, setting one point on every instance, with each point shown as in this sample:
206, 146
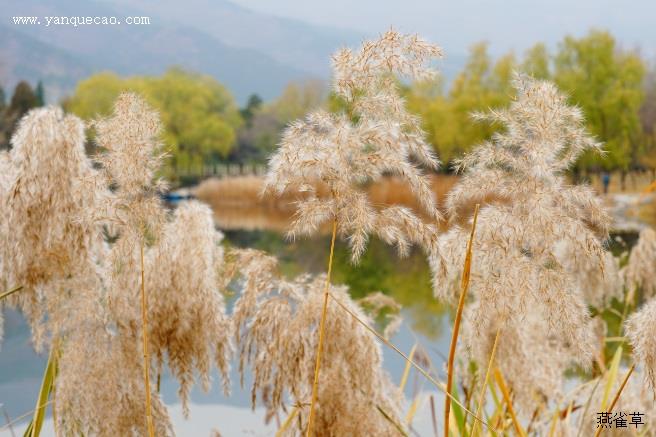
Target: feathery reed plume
276, 324
379, 305
600, 289
130, 138
186, 313
530, 245
81, 288
100, 387
640, 328
372, 136
46, 192
187, 320
5, 175
640, 271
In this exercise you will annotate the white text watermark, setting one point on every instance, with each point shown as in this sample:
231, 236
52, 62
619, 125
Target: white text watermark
76, 21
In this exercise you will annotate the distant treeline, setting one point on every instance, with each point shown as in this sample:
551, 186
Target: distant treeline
615, 88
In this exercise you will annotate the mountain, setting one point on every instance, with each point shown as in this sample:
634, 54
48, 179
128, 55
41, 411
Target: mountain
129, 50
24, 57
248, 51
291, 42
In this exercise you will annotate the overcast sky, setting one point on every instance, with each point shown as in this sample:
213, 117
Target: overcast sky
506, 24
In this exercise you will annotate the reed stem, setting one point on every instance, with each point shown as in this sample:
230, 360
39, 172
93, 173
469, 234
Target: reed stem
506, 396
617, 395
146, 356
481, 396
322, 326
464, 286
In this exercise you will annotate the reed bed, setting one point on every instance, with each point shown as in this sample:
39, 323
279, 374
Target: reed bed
118, 289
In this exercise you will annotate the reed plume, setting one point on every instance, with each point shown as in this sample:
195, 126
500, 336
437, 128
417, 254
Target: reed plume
640, 328
187, 320
371, 136
99, 387
186, 312
531, 245
74, 238
46, 191
276, 331
640, 270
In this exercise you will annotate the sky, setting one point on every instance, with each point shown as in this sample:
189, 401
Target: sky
505, 24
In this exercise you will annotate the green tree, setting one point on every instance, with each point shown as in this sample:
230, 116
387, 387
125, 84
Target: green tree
253, 104
3, 99
607, 83
296, 100
199, 115
648, 120
536, 62
21, 101
447, 117
264, 123
40, 94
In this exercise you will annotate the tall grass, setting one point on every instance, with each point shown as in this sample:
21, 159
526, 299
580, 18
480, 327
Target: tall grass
97, 264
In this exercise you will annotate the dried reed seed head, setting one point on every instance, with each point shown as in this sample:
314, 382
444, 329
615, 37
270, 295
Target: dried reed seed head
276, 323
132, 156
187, 325
100, 387
379, 305
47, 191
535, 248
640, 328
130, 138
640, 271
372, 137
187, 320
82, 291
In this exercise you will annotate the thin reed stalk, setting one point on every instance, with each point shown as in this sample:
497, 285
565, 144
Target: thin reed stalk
433, 416
322, 324
287, 423
587, 407
485, 381
146, 356
10, 292
440, 386
506, 396
617, 395
464, 286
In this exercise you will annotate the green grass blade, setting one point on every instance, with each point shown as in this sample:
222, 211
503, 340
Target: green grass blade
458, 413
612, 377
46, 388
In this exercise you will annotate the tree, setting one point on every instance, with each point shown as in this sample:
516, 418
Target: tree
21, 101
199, 115
447, 117
607, 83
648, 120
3, 100
264, 122
536, 62
254, 103
40, 94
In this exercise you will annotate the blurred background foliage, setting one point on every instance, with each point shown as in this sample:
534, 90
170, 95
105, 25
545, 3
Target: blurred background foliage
615, 88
